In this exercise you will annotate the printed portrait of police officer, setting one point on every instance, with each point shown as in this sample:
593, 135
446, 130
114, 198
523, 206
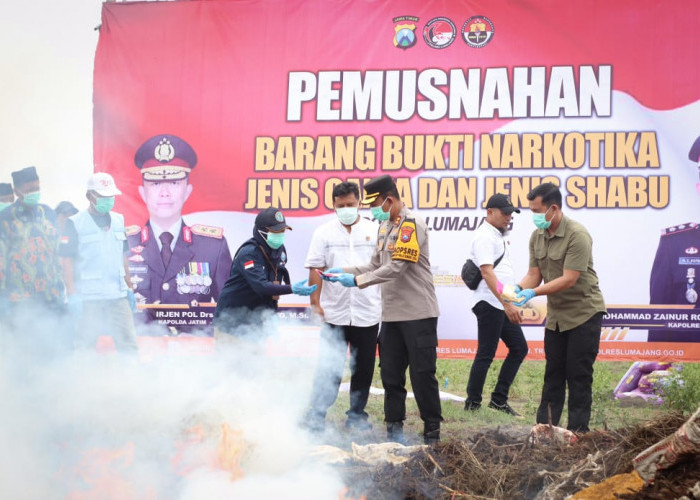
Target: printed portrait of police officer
674, 274
171, 261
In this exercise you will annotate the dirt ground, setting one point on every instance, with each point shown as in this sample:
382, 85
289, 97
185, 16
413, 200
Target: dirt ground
507, 462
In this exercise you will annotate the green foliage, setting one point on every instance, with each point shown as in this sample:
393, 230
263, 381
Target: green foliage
525, 394
683, 391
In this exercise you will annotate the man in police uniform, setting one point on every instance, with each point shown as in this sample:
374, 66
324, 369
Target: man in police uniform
7, 197
408, 335
170, 261
676, 268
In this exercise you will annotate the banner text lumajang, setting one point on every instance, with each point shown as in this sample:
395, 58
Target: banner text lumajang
435, 93
465, 192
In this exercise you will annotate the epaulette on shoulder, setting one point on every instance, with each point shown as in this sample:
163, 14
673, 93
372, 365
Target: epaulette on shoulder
131, 230
679, 228
209, 231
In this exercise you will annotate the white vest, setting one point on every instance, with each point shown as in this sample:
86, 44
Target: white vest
99, 268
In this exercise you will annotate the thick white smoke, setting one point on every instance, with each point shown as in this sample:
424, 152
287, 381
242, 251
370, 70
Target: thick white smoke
89, 425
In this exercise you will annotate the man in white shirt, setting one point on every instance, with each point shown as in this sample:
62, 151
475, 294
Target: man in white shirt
351, 316
496, 318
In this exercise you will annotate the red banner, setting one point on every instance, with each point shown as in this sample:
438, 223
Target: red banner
267, 103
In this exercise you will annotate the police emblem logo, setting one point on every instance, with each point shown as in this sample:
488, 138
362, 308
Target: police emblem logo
477, 31
406, 233
405, 32
136, 258
439, 33
137, 249
279, 217
691, 250
164, 151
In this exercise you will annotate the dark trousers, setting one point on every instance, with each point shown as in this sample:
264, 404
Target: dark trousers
494, 325
412, 345
331, 362
570, 356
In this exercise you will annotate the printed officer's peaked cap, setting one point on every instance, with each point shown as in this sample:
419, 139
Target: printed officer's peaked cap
165, 157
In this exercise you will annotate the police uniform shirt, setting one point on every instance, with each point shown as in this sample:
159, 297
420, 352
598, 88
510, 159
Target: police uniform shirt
408, 292
674, 273
196, 272
333, 246
487, 246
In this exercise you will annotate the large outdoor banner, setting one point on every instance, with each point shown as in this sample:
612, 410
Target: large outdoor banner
207, 112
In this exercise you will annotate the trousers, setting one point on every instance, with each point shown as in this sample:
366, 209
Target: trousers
569, 359
335, 339
107, 317
493, 325
413, 345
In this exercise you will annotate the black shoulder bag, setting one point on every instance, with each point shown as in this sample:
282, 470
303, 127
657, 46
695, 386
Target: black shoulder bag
471, 273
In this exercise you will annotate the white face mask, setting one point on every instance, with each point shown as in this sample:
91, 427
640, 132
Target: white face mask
346, 215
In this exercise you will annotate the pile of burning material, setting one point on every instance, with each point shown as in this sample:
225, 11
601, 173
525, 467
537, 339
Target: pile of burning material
369, 454
495, 464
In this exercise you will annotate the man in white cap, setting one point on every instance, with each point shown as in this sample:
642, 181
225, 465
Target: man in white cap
95, 269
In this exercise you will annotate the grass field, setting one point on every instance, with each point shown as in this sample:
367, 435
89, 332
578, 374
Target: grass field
525, 396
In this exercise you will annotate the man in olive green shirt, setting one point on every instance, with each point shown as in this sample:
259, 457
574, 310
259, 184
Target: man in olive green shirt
561, 255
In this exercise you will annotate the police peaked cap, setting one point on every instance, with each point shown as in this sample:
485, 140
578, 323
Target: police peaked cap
24, 176
376, 187
164, 157
694, 153
5, 188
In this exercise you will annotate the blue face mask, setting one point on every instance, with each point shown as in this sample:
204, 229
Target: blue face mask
273, 240
378, 212
31, 199
540, 220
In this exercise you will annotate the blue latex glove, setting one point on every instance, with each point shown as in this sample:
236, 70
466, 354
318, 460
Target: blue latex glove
75, 306
523, 296
302, 288
517, 288
345, 279
132, 299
